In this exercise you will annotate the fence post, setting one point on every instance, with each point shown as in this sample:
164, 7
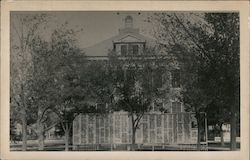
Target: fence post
206, 131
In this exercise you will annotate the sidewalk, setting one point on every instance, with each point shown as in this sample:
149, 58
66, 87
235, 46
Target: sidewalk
58, 145
216, 146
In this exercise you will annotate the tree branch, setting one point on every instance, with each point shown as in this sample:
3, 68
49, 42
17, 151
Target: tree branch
138, 119
44, 120
58, 114
48, 128
64, 129
44, 112
18, 104
17, 32
191, 36
70, 125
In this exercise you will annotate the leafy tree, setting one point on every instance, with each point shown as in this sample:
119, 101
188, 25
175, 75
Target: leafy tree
134, 91
67, 91
224, 66
24, 28
100, 84
174, 37
134, 99
210, 40
193, 93
41, 106
216, 119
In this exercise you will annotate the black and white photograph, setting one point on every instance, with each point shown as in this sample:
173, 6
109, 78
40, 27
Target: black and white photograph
124, 81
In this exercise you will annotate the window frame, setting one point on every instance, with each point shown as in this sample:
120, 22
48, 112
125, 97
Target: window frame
159, 72
129, 49
174, 78
172, 106
125, 49
156, 107
133, 49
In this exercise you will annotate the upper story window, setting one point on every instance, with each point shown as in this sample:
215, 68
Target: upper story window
130, 49
101, 107
124, 50
147, 80
130, 76
176, 78
176, 107
157, 106
133, 49
158, 76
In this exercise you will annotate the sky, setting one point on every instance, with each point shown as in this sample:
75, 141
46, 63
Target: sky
97, 25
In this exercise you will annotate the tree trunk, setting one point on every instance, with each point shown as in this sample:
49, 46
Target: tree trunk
199, 135
40, 130
221, 136
40, 136
23, 120
133, 139
233, 128
66, 137
24, 131
133, 133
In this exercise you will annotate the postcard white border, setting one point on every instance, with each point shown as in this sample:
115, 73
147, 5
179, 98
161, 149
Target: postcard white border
241, 6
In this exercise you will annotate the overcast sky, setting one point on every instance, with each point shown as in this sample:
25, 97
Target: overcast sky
97, 25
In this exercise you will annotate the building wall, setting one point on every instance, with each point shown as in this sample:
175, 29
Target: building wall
162, 82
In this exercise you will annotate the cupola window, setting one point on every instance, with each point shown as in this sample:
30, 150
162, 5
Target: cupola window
128, 22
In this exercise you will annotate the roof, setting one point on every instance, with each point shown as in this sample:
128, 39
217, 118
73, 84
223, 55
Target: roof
102, 48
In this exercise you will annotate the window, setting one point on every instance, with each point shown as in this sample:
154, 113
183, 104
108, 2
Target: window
128, 22
135, 49
147, 82
158, 106
119, 75
158, 78
176, 107
124, 50
130, 75
101, 107
129, 50
175, 78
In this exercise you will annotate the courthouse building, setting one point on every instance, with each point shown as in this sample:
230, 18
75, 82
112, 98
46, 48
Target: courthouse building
166, 124
131, 43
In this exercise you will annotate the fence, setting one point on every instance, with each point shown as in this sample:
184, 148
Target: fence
154, 129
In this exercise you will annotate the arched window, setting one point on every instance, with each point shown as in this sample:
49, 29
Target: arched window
129, 22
